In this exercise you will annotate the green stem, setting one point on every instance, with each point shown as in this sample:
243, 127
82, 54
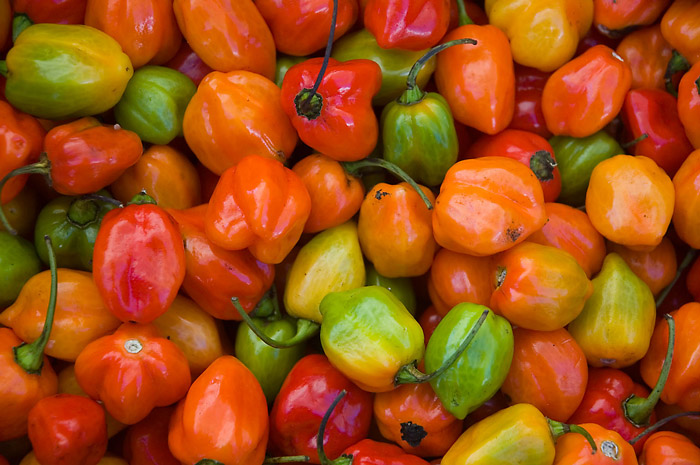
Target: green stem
543, 164
82, 212
268, 307
675, 64
637, 409
20, 22
43, 166
103, 198
409, 374
308, 103
305, 329
636, 141
464, 18
142, 199
558, 428
31, 356
687, 260
661, 423
343, 459
353, 166
287, 459
413, 94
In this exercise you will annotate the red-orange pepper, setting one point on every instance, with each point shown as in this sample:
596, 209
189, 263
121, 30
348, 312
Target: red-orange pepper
669, 448
456, 278
260, 205
527, 116
407, 24
689, 104
612, 17
188, 63
146, 442
574, 449
686, 212
680, 26
52, 11
647, 53
133, 371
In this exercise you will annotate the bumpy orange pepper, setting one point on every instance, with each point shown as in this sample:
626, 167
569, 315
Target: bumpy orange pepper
407, 24
669, 448
686, 214
612, 17
647, 53
680, 26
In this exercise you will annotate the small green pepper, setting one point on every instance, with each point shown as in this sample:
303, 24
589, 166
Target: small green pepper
72, 224
284, 62
18, 263
154, 102
400, 287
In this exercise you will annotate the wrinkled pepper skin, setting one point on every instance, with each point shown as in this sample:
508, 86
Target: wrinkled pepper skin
85, 74
480, 370
370, 452
574, 449
158, 118
529, 83
72, 224
405, 24
223, 417
18, 263
543, 34
368, 334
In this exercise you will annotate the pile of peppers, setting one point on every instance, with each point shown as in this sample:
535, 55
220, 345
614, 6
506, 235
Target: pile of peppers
369, 232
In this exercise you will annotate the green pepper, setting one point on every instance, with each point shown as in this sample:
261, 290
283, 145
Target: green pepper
154, 102
284, 62
576, 158
400, 287
72, 224
395, 63
18, 263
418, 131
61, 71
478, 372
21, 211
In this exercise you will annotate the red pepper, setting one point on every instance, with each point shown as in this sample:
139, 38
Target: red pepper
574, 449
189, 63
369, 452
304, 398
651, 117
528, 116
407, 24
146, 442
138, 261
52, 11
689, 104
67, 429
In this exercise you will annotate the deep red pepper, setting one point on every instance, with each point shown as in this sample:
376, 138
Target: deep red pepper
52, 11
188, 63
407, 24
146, 442
528, 115
428, 321
369, 452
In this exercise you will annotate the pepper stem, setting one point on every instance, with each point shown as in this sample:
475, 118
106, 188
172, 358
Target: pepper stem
308, 103
687, 260
464, 18
103, 198
542, 164
353, 166
413, 94
676, 64
82, 212
305, 329
558, 428
661, 423
636, 141
343, 459
142, 199
43, 167
20, 22
268, 307
637, 409
409, 374
208, 462
31, 356
287, 459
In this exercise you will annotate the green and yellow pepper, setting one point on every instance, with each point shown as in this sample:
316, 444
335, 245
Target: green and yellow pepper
18, 263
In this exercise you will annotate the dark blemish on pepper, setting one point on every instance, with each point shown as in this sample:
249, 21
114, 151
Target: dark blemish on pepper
514, 233
380, 193
412, 433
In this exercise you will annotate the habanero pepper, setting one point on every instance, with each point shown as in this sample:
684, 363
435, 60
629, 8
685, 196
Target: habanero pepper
668, 448
402, 288
456, 278
686, 220
574, 449
188, 63
680, 26
146, 442
18, 263
52, 11
647, 53
656, 267
22, 210
527, 116
370, 452
614, 19
408, 25
689, 104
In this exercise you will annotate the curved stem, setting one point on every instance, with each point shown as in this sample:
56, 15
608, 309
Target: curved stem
464, 18
305, 329
103, 198
343, 459
43, 166
31, 356
558, 428
268, 307
409, 374
637, 409
661, 423
675, 64
687, 260
353, 166
287, 459
636, 141
142, 199
19, 23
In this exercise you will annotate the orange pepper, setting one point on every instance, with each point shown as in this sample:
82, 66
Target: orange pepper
478, 81
335, 194
680, 26
236, 114
133, 371
585, 94
456, 278
647, 53
612, 17
487, 205
301, 28
227, 34
689, 104
669, 448
574, 449
414, 418
223, 417
549, 370
630, 201
570, 229
145, 29
260, 205
655, 267
395, 230
686, 215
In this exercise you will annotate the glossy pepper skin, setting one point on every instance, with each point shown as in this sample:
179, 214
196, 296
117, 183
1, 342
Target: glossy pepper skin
689, 104
157, 119
52, 11
510, 206
260, 205
668, 448
218, 134
647, 53
543, 34
586, 93
407, 25
223, 417
370, 452
188, 63
92, 78
612, 18
685, 214
479, 371
478, 81
680, 26
133, 371
306, 394
574, 449
21, 138
656, 267
72, 224
18, 263
146, 442
227, 34
145, 29
138, 262
527, 116
341, 110
214, 275
68, 429
456, 278
400, 287
301, 29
